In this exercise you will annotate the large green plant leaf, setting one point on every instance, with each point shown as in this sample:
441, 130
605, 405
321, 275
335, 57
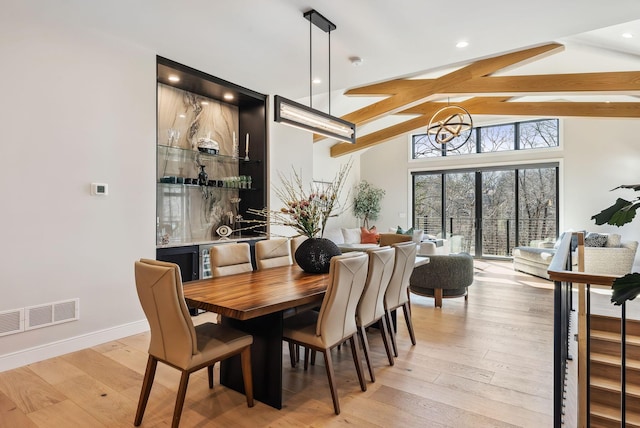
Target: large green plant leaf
618, 214
625, 288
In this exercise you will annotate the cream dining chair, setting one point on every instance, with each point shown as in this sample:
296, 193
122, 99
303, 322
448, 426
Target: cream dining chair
229, 259
397, 294
174, 339
335, 323
370, 308
272, 253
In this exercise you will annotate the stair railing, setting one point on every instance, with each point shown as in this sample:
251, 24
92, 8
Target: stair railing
560, 271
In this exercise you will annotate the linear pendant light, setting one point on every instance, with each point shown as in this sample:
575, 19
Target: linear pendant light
305, 117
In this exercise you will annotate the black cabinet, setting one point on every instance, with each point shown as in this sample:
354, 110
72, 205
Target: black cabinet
185, 257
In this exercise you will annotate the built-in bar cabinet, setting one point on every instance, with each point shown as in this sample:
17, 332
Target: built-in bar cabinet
211, 165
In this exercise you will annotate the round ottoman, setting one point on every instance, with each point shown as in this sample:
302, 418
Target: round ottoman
444, 276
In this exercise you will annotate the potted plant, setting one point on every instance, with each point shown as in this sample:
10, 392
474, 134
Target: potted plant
620, 213
366, 202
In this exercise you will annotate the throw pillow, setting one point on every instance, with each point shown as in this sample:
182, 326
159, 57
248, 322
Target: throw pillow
370, 236
614, 240
401, 231
416, 235
595, 240
351, 236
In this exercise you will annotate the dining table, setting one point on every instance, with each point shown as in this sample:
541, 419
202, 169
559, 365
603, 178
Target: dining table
255, 302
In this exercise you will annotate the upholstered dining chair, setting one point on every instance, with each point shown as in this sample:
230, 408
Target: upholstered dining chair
273, 253
397, 294
335, 323
174, 339
229, 259
370, 309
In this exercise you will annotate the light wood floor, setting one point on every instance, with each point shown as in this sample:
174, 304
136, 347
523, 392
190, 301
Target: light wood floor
486, 363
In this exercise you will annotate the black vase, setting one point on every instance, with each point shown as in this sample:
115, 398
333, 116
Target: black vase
314, 255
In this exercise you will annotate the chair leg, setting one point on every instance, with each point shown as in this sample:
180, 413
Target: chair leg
437, 294
210, 374
149, 374
365, 346
391, 332
384, 332
182, 392
355, 350
292, 354
245, 361
307, 355
466, 295
332, 384
313, 357
407, 318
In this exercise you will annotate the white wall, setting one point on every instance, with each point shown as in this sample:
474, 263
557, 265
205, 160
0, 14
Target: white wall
76, 108
600, 154
596, 156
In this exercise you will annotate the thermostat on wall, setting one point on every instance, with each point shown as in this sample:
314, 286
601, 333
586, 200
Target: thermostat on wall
99, 189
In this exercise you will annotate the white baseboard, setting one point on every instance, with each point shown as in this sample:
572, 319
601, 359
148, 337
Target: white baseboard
65, 346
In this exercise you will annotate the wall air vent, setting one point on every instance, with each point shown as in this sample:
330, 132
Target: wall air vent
51, 313
11, 322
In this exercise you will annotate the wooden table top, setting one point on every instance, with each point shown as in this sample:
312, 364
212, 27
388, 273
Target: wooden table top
249, 295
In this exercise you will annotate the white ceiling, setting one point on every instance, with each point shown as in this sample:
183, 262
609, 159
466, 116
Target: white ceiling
264, 44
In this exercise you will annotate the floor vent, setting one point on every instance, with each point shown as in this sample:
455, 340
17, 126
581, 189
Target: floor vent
11, 322
51, 313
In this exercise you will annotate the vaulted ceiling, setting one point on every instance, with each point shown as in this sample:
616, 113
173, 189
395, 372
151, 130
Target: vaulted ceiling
489, 95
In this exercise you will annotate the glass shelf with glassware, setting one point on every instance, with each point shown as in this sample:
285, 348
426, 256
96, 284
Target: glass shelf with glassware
180, 154
213, 184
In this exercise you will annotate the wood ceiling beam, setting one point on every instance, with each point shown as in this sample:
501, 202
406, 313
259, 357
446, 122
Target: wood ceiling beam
405, 99
606, 82
378, 137
407, 96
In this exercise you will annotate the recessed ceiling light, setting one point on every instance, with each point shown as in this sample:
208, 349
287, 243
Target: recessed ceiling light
462, 44
316, 81
174, 78
228, 96
182, 115
627, 35
204, 103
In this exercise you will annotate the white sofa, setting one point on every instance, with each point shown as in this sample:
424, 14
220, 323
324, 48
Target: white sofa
348, 239
615, 258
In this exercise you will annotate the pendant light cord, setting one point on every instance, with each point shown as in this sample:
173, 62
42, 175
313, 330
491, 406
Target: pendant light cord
329, 71
310, 68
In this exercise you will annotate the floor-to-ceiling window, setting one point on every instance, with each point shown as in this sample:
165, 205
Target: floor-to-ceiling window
488, 211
